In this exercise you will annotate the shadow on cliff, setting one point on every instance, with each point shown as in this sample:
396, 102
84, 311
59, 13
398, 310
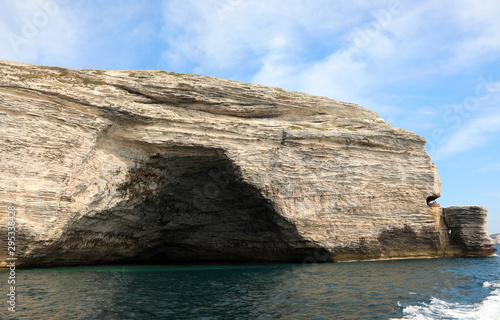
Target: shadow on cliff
183, 206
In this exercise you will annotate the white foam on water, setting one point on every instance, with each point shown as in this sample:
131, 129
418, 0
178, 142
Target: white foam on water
494, 284
488, 309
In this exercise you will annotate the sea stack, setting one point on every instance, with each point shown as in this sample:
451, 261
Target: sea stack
149, 166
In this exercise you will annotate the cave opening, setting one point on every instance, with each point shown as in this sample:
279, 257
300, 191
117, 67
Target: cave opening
183, 206
431, 201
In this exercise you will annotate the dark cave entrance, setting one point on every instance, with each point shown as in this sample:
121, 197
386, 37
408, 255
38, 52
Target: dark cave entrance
188, 205
431, 201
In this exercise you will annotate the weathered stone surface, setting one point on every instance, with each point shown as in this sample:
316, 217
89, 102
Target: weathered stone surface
467, 228
114, 166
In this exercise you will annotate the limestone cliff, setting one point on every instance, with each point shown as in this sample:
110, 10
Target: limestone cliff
150, 166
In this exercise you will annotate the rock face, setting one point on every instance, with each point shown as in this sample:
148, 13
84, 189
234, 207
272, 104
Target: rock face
467, 229
149, 166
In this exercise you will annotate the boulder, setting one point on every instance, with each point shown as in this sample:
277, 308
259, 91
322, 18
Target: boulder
467, 229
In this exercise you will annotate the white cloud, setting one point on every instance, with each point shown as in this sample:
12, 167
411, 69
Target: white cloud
476, 133
79, 33
38, 32
471, 124
371, 54
478, 25
382, 43
225, 34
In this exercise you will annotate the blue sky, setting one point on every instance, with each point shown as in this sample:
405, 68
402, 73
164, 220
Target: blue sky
431, 67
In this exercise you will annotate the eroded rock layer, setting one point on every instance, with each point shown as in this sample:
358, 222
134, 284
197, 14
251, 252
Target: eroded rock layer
149, 166
467, 229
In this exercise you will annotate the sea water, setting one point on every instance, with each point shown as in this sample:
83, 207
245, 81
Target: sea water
466, 288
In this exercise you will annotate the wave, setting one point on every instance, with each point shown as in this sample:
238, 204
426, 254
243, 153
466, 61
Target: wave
488, 309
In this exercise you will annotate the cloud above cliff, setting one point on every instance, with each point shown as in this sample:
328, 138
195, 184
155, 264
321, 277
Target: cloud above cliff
475, 134
386, 38
223, 35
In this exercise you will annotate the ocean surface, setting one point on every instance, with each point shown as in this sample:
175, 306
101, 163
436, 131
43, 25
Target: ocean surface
467, 288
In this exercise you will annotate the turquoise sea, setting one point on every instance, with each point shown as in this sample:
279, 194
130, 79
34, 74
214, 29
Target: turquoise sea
466, 288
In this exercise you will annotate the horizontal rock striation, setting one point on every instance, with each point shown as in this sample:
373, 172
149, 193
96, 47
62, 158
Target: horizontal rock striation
150, 166
467, 229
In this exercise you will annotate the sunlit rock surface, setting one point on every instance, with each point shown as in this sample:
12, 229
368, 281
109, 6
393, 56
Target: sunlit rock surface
467, 229
150, 166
